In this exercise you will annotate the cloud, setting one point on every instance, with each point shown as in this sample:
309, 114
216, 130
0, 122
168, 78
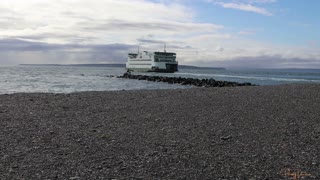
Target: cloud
247, 32
104, 31
235, 50
261, 1
246, 7
244, 1
97, 21
81, 28
275, 61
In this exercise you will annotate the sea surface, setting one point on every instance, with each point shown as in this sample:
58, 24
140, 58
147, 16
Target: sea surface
68, 79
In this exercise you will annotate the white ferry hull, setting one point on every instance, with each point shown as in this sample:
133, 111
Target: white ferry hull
152, 62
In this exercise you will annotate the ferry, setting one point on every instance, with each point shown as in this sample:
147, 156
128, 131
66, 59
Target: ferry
151, 61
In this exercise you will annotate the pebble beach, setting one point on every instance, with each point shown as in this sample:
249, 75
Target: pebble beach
249, 132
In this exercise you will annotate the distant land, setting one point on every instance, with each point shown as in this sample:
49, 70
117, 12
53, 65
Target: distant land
120, 66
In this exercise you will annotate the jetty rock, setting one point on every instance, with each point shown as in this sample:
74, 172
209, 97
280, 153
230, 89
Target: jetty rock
185, 81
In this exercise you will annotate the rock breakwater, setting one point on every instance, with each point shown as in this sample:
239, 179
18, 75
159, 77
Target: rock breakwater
185, 81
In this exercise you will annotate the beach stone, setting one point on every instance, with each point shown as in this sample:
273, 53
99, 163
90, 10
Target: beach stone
225, 138
74, 178
167, 134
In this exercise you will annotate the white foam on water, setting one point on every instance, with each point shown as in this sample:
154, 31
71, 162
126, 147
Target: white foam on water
252, 77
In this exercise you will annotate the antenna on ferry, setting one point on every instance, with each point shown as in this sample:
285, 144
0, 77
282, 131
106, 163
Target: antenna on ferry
165, 47
138, 49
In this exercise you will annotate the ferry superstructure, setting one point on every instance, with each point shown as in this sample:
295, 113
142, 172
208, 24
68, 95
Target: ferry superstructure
150, 61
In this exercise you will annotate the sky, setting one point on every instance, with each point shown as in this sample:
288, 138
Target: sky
216, 33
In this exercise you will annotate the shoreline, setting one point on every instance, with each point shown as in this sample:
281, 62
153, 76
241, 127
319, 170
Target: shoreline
252, 132
169, 89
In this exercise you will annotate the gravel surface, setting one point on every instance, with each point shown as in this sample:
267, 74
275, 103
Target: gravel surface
262, 132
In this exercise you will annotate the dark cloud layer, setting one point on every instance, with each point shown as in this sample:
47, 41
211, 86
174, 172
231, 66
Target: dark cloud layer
15, 51
276, 61
150, 41
20, 45
120, 25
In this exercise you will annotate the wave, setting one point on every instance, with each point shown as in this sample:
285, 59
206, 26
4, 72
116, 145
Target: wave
253, 77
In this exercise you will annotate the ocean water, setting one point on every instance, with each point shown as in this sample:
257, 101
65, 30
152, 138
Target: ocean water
67, 79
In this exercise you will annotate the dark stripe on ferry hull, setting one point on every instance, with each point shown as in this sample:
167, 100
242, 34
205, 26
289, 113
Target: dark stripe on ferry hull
162, 71
170, 68
153, 70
